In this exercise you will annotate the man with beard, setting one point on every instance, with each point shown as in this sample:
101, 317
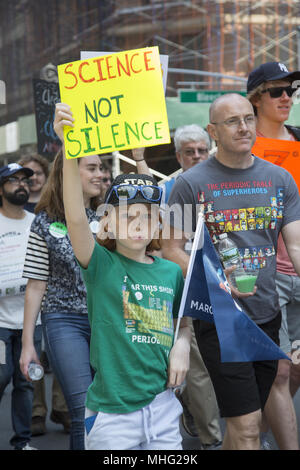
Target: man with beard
14, 230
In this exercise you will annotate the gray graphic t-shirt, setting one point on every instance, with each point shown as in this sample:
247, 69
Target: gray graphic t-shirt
50, 257
252, 206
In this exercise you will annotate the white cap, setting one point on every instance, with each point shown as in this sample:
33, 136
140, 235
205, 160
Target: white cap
223, 235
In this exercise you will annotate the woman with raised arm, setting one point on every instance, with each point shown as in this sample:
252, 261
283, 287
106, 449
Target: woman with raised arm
56, 288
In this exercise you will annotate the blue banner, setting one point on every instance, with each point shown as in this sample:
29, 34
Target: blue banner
207, 296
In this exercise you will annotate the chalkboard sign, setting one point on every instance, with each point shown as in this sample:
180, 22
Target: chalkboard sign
46, 95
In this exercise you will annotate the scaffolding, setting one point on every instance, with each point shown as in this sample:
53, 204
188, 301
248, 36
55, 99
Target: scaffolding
211, 44
219, 37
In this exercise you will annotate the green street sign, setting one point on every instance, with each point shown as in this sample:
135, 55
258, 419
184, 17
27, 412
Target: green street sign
203, 96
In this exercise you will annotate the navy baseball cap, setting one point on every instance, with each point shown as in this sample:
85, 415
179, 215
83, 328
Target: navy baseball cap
11, 169
122, 189
267, 72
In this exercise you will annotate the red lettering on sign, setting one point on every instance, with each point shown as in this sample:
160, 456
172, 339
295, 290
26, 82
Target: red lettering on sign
99, 65
80, 73
70, 73
131, 65
121, 66
147, 60
109, 66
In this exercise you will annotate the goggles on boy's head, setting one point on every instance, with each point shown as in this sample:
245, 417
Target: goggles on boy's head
134, 193
133, 189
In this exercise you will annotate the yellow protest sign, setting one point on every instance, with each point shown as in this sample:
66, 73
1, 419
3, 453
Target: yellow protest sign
117, 102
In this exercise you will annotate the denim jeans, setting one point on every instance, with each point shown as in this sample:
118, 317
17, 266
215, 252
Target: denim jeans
67, 341
22, 393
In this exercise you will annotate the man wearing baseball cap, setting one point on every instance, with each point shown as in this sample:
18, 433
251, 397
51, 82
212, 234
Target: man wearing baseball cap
10, 170
270, 89
14, 230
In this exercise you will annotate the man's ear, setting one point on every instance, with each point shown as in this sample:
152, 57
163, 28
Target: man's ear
178, 156
211, 129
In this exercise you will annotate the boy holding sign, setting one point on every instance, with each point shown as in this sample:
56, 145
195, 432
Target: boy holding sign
270, 91
132, 298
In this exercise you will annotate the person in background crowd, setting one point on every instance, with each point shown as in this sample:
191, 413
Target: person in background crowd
14, 230
40, 167
106, 179
192, 146
59, 413
200, 410
270, 91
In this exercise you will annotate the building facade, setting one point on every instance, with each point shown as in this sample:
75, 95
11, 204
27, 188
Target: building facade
207, 42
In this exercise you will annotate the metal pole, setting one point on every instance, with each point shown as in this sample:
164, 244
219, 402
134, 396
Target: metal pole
115, 164
209, 74
298, 46
119, 156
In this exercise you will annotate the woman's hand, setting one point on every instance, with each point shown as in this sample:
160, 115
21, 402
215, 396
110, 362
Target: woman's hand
28, 355
63, 117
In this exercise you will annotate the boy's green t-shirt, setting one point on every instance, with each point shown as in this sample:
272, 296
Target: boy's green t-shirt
131, 307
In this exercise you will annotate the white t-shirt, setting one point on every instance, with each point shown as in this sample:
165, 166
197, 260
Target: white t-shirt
13, 242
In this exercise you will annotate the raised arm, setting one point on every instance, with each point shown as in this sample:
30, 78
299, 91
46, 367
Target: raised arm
78, 228
141, 165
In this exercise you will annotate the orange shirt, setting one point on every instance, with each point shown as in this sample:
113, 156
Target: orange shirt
284, 264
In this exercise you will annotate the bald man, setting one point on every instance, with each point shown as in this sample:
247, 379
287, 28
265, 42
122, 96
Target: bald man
253, 201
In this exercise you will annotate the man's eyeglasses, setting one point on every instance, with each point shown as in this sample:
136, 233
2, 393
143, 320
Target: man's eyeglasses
125, 192
190, 152
14, 180
277, 91
235, 122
